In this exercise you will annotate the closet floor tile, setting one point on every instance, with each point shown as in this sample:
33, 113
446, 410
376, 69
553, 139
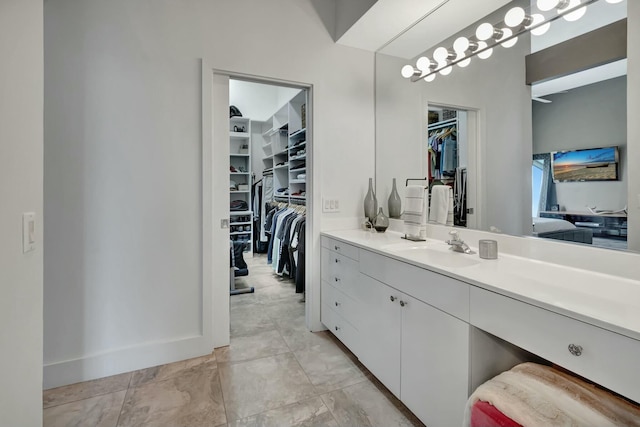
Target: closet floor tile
84, 390
259, 385
311, 412
99, 411
192, 399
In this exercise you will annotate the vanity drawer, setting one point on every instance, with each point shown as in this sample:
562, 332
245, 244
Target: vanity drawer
342, 304
341, 328
339, 270
606, 358
445, 293
340, 247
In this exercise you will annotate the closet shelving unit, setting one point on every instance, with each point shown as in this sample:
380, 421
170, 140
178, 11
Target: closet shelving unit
241, 222
285, 150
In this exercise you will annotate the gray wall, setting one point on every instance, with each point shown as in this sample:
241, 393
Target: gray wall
21, 97
586, 117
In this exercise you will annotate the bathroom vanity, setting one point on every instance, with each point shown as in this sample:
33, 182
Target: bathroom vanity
424, 319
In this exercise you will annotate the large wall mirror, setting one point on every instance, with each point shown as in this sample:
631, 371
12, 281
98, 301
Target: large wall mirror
516, 140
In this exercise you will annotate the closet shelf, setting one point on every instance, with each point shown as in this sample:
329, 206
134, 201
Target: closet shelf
241, 135
238, 173
239, 155
239, 223
237, 233
286, 165
297, 181
301, 157
301, 144
234, 213
299, 197
304, 168
238, 192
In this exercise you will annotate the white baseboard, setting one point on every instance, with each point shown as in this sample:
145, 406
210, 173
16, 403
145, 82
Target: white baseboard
119, 361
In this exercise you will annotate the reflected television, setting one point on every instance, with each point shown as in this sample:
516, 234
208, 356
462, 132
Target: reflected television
591, 164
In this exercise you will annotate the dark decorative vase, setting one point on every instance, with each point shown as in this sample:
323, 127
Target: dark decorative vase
395, 204
381, 222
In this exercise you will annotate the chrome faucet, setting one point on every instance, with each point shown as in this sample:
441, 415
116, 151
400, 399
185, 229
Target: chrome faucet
457, 244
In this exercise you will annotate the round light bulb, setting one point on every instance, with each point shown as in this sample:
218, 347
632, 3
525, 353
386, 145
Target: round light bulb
546, 5
430, 78
441, 54
423, 63
484, 31
446, 71
577, 14
537, 19
461, 44
487, 53
508, 33
407, 71
463, 62
515, 17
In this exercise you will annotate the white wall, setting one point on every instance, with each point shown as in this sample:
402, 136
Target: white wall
633, 126
21, 92
591, 116
123, 163
496, 88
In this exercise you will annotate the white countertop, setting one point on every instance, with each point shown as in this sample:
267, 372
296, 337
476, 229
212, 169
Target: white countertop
603, 300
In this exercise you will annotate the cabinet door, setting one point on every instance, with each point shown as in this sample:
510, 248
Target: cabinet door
380, 332
435, 364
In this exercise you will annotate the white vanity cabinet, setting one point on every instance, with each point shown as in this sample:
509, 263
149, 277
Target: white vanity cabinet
339, 310
419, 352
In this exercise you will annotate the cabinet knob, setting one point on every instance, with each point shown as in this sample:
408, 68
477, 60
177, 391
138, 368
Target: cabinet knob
337, 248
574, 349
402, 303
337, 328
392, 298
337, 260
337, 303
337, 280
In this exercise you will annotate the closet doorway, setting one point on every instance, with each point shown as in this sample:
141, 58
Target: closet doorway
269, 139
450, 157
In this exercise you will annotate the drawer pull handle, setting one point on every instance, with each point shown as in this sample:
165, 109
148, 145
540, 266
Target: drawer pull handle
576, 350
337, 260
392, 298
337, 328
337, 248
337, 280
402, 303
337, 303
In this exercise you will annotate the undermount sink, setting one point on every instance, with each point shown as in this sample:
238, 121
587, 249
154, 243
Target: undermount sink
433, 254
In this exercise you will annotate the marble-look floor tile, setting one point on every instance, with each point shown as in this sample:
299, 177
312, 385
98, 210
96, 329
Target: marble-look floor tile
268, 343
249, 321
307, 413
262, 384
163, 372
298, 337
84, 390
99, 411
363, 404
193, 399
328, 367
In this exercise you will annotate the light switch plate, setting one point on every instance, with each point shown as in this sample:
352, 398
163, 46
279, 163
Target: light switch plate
224, 223
330, 205
28, 232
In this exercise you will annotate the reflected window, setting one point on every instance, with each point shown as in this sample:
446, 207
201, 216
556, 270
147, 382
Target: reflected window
537, 178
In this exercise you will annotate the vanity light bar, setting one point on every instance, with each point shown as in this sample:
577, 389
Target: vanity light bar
487, 37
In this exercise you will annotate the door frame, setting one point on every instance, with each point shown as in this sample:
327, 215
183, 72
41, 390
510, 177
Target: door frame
215, 203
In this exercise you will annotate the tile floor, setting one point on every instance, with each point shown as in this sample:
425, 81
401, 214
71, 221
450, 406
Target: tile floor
274, 373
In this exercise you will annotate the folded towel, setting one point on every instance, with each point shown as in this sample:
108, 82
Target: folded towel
538, 395
414, 191
441, 210
414, 205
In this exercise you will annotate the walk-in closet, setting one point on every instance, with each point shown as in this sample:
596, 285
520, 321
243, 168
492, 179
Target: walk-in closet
268, 181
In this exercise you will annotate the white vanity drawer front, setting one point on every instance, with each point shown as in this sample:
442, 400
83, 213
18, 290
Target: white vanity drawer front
340, 248
604, 357
445, 293
339, 270
339, 302
341, 328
